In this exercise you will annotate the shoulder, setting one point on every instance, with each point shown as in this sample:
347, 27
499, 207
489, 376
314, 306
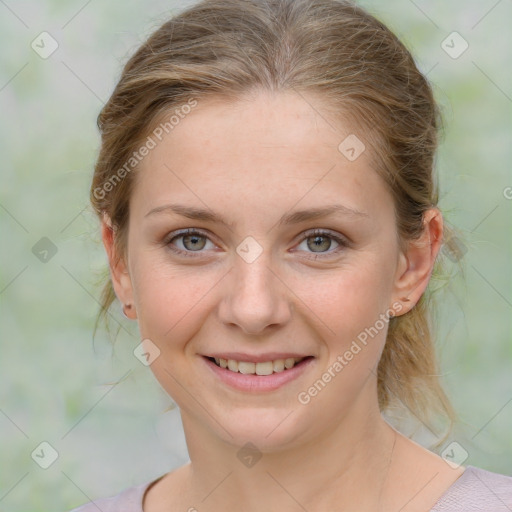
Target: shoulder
477, 490
128, 500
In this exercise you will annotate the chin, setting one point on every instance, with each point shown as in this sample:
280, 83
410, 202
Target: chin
268, 429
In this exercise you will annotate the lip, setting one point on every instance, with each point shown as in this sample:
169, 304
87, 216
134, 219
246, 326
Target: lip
256, 358
257, 383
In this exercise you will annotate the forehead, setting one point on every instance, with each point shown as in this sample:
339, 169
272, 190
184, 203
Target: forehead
267, 149
288, 121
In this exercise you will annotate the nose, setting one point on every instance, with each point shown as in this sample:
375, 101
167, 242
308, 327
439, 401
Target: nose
255, 297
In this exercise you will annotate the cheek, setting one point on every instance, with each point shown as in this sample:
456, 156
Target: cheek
348, 298
347, 307
171, 309
169, 300
354, 335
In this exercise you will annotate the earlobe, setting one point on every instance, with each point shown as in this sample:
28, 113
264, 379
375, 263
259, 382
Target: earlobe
128, 311
119, 275
416, 263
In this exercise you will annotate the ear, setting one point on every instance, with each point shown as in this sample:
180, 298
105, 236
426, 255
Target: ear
119, 275
416, 262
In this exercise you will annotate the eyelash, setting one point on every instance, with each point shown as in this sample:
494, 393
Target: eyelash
343, 243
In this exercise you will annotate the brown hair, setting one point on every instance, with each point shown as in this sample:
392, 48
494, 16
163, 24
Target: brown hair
356, 67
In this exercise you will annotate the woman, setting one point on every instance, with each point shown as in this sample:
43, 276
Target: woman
268, 207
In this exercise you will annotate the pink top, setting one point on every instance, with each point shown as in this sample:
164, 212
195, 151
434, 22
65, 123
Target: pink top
476, 490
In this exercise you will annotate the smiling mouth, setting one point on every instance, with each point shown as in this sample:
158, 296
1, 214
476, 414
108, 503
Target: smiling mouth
263, 368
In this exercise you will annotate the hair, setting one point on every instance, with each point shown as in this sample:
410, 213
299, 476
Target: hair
356, 67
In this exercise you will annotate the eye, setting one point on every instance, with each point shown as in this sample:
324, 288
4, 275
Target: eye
191, 240
319, 242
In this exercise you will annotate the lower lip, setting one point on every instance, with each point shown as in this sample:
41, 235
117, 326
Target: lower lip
257, 383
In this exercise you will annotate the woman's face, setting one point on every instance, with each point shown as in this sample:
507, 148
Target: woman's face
263, 286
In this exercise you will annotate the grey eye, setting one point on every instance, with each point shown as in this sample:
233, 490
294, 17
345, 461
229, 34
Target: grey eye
193, 242
320, 243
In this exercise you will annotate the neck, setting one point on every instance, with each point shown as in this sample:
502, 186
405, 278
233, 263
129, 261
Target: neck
345, 468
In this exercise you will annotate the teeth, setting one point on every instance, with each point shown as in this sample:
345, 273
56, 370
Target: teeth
265, 368
244, 367
278, 365
289, 363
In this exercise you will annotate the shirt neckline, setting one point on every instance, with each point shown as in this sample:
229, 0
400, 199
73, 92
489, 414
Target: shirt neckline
468, 471
144, 488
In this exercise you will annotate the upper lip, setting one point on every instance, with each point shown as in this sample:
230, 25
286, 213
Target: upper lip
256, 358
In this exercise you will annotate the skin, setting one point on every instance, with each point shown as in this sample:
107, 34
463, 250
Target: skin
252, 161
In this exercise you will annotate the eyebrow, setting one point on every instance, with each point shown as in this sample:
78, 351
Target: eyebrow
296, 217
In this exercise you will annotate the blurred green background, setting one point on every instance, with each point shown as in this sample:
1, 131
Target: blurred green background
99, 407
